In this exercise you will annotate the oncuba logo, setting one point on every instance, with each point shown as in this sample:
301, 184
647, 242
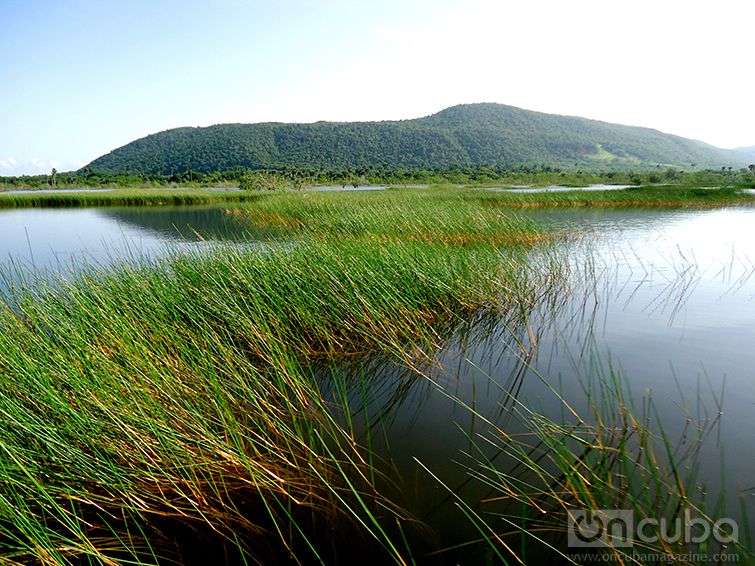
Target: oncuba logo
617, 528
600, 527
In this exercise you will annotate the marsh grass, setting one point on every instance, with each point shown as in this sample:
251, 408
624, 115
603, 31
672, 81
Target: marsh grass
670, 196
151, 400
443, 216
602, 449
524, 468
613, 455
123, 197
291, 209
171, 413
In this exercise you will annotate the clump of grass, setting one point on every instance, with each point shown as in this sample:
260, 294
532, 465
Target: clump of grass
177, 396
123, 197
637, 197
428, 215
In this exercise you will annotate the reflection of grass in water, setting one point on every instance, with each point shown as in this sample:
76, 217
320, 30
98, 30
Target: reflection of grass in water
612, 453
615, 452
613, 456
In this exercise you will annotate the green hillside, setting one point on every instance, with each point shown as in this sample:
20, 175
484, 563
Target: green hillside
748, 153
462, 136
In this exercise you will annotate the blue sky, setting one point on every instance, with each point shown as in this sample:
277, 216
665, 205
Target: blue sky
80, 77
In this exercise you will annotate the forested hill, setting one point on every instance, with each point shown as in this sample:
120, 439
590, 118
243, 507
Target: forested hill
748, 153
462, 136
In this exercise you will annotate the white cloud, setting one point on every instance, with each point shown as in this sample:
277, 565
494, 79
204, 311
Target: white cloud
12, 166
8, 164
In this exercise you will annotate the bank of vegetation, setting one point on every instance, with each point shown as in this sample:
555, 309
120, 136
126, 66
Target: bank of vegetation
302, 177
671, 196
123, 197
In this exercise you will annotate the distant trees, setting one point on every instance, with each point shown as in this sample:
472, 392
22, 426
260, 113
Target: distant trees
671, 173
294, 177
262, 181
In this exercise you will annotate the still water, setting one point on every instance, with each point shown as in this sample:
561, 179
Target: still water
664, 301
50, 241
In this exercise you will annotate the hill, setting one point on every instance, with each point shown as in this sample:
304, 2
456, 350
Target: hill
748, 153
471, 135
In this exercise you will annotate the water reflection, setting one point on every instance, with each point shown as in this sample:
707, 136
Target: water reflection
187, 223
64, 240
662, 302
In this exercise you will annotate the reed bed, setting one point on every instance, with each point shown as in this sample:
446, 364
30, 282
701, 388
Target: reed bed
155, 411
122, 197
288, 206
172, 413
670, 196
431, 216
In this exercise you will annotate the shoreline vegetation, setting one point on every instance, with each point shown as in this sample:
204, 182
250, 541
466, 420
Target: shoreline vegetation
123, 197
669, 196
534, 176
658, 196
173, 412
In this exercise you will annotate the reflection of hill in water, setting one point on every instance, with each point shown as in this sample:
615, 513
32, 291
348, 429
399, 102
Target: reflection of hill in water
189, 223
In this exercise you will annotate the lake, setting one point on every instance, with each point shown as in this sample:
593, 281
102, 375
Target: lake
53, 241
666, 299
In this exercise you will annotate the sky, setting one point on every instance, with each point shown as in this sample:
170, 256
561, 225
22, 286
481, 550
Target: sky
79, 78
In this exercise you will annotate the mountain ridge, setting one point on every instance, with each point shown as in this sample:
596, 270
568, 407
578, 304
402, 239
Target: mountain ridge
465, 135
747, 152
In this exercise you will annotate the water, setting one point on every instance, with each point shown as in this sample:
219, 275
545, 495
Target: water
62, 240
664, 299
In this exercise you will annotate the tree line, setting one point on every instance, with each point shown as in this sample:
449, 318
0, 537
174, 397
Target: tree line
275, 179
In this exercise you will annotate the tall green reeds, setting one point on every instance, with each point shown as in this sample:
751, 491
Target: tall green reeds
434, 216
171, 413
669, 196
122, 197
150, 408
